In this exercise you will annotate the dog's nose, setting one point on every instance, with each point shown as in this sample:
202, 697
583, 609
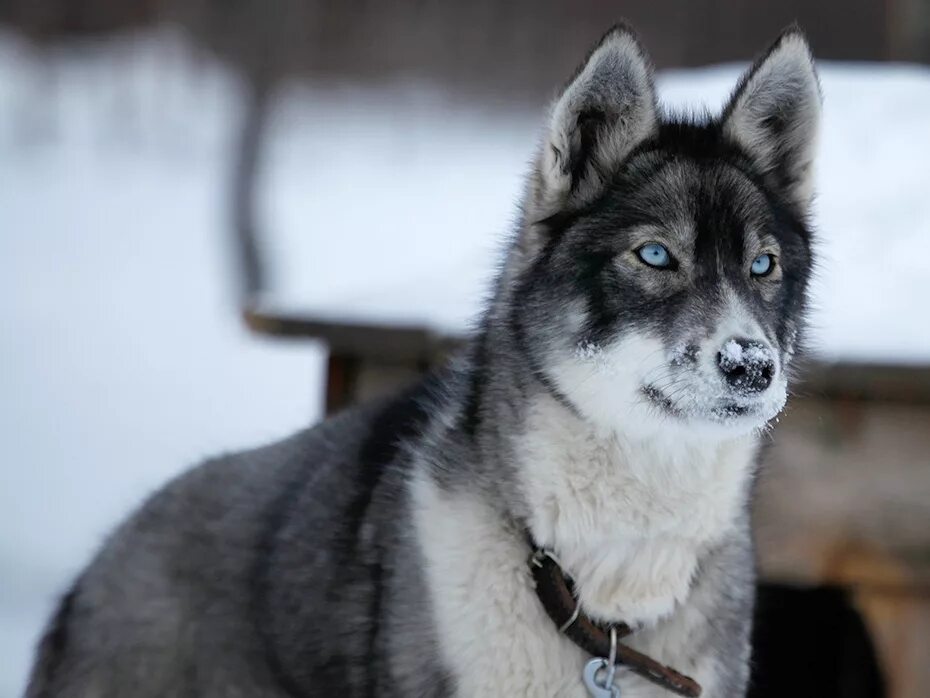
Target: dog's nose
746, 365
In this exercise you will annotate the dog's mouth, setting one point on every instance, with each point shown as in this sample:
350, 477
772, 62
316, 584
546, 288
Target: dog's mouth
718, 411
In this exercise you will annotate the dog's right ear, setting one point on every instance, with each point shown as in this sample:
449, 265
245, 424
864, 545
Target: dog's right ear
606, 110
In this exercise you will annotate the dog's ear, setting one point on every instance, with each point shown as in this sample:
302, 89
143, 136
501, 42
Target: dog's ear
774, 116
606, 110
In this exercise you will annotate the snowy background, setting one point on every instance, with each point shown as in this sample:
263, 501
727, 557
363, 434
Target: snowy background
393, 204
121, 357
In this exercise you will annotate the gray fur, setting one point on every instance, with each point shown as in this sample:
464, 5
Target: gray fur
295, 569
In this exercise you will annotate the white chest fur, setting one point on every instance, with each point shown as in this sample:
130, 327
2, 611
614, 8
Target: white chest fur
628, 521
494, 634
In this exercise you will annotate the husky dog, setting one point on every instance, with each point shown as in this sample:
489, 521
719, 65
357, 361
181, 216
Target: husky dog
607, 408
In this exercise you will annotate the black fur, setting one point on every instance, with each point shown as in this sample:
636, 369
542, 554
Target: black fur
292, 634
53, 646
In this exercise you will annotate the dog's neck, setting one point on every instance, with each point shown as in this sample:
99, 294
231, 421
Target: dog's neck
629, 518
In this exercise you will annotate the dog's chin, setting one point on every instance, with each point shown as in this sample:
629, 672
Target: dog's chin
722, 413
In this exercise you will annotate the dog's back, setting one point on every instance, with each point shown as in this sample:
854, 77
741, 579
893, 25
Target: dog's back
258, 573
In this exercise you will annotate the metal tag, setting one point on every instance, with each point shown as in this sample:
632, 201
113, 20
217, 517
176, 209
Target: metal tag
598, 686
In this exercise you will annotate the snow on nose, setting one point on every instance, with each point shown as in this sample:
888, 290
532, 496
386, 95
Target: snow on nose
747, 366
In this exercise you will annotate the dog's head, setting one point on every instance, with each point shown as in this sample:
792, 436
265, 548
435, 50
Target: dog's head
661, 270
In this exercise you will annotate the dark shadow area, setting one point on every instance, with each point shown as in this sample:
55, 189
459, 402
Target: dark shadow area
811, 643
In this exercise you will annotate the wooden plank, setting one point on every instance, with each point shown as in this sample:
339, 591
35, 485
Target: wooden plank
843, 496
865, 381
397, 343
414, 344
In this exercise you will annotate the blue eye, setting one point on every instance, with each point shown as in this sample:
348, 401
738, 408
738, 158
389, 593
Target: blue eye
762, 265
655, 255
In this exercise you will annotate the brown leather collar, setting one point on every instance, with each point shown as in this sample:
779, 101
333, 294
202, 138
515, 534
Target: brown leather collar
554, 592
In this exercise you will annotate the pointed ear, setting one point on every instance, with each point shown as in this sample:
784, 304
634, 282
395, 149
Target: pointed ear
774, 116
606, 110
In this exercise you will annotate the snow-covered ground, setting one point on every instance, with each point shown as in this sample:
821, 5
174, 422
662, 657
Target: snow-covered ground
121, 359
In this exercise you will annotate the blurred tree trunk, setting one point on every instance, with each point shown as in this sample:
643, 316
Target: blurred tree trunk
244, 190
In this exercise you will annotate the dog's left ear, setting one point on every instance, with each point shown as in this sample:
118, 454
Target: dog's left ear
774, 116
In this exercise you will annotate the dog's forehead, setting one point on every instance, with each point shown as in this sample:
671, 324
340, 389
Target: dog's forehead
709, 198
